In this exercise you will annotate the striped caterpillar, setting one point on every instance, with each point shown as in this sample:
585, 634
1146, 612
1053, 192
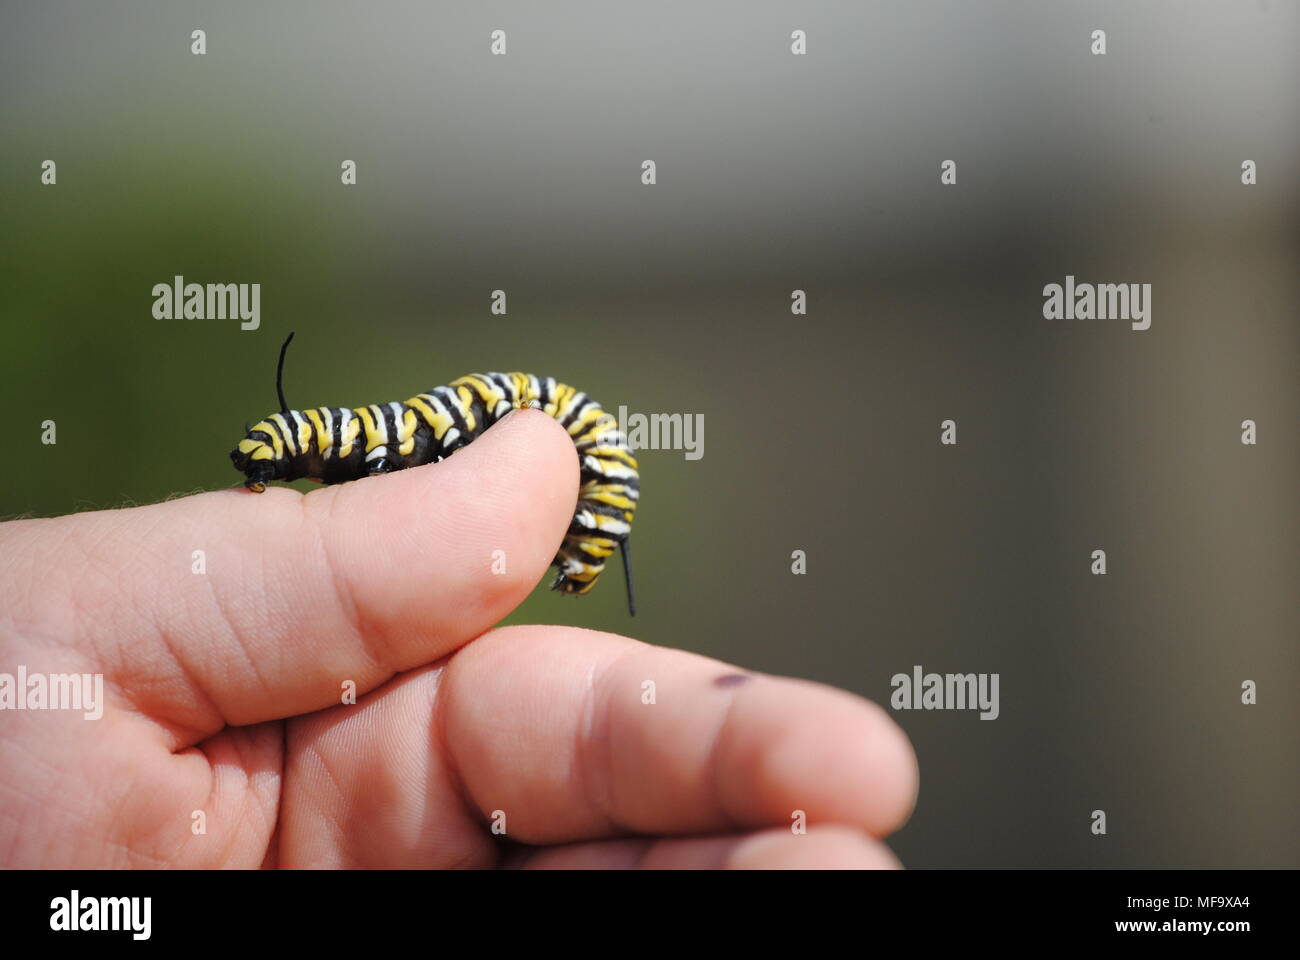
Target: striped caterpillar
337, 444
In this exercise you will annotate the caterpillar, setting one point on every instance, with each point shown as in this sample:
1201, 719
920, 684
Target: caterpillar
337, 444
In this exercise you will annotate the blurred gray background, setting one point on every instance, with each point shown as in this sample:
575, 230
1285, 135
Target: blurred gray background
775, 172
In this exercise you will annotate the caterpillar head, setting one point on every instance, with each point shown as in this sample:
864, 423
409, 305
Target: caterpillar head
255, 458
256, 455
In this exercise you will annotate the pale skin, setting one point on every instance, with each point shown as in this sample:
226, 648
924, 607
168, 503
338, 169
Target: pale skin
223, 694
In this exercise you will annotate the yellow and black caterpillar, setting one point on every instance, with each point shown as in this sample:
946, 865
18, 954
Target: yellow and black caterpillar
337, 444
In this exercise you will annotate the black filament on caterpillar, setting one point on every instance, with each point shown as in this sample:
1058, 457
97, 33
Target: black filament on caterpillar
338, 444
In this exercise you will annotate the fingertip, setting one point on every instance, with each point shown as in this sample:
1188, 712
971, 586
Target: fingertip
879, 767
834, 757
460, 543
896, 756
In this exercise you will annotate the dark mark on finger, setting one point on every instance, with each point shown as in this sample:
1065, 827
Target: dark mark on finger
730, 680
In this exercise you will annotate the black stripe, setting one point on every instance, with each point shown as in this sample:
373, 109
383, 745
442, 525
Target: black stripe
604, 509
390, 421
573, 550
336, 431
605, 441
578, 410
507, 386
631, 483
486, 383
452, 402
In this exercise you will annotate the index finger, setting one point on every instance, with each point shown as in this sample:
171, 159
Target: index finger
578, 735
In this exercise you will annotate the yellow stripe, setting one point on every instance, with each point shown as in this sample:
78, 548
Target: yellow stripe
570, 394
267, 427
614, 453
557, 401
363, 415
256, 449
598, 430
373, 438
591, 413
489, 394
613, 499
348, 436
439, 423
494, 393
324, 440
406, 435
464, 406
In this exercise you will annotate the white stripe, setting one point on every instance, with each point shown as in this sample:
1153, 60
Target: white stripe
613, 470
290, 440
577, 400
447, 396
328, 417
301, 422
343, 428
435, 401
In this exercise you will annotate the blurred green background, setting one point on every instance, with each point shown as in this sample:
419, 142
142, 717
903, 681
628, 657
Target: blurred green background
821, 432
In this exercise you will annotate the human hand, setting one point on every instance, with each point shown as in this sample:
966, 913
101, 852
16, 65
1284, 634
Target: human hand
222, 690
